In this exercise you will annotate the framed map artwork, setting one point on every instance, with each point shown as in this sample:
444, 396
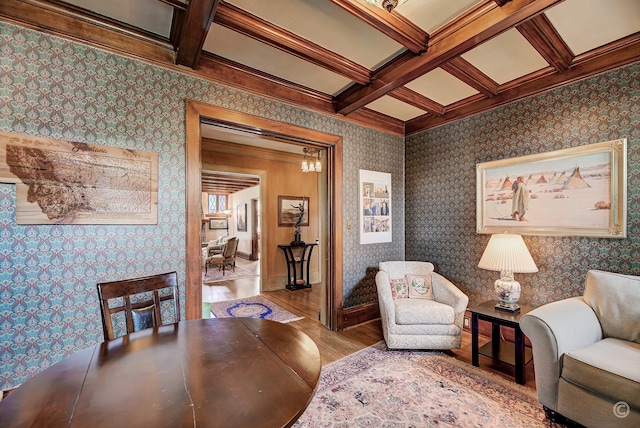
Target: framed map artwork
63, 182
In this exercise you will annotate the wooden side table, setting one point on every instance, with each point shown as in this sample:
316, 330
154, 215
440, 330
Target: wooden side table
514, 354
298, 266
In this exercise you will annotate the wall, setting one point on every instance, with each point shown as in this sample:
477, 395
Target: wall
243, 197
440, 185
57, 88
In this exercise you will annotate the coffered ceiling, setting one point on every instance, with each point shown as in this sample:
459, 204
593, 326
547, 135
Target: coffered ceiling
427, 63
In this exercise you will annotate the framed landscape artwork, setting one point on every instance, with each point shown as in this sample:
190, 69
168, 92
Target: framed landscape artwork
579, 191
375, 207
289, 210
218, 223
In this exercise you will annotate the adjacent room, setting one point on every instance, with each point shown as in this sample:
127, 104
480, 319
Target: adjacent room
337, 213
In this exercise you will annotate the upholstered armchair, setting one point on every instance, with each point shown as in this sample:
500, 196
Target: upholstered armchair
217, 246
419, 308
586, 351
227, 257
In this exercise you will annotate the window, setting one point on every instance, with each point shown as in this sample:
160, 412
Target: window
217, 203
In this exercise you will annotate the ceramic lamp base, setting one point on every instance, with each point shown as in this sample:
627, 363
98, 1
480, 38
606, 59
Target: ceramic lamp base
514, 308
508, 292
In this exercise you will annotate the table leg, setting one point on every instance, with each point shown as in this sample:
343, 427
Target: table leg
495, 340
519, 349
474, 339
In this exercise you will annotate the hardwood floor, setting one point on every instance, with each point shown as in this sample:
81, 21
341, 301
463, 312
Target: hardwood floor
336, 345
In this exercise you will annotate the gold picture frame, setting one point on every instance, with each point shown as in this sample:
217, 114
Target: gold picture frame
579, 191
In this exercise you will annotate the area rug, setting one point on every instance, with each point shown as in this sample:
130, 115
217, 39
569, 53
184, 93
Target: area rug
380, 388
213, 274
252, 307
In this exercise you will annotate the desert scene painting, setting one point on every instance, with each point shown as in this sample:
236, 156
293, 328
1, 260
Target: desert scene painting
570, 192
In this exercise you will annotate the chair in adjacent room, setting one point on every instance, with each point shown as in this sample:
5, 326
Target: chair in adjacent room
227, 258
216, 246
140, 299
419, 308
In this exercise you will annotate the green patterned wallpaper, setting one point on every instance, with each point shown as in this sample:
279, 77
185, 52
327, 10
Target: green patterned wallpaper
441, 185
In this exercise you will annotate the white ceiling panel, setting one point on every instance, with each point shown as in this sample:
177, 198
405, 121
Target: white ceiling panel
433, 14
441, 87
588, 24
506, 57
151, 15
327, 25
395, 108
247, 51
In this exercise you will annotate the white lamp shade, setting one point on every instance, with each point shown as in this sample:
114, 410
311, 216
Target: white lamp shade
507, 253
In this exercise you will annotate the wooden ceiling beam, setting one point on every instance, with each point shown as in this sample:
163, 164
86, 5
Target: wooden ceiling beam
462, 69
614, 55
263, 31
469, 35
391, 24
198, 19
223, 189
177, 24
248, 79
230, 184
417, 100
237, 181
545, 39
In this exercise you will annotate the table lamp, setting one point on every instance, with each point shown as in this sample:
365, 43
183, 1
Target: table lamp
507, 254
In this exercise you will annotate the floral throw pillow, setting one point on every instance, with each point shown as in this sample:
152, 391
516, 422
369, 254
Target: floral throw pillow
399, 288
420, 286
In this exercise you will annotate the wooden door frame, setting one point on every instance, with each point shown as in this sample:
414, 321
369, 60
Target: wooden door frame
254, 229
197, 112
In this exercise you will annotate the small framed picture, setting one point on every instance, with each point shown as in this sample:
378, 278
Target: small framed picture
289, 209
375, 207
218, 223
241, 222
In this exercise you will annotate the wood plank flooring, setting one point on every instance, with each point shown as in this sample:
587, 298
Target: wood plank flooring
336, 345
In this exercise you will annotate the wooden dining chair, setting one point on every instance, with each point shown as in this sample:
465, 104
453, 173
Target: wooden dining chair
145, 309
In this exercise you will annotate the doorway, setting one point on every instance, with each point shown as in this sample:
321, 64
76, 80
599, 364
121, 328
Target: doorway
224, 192
197, 113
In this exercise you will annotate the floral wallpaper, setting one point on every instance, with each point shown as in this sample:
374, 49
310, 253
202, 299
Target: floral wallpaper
441, 185
57, 88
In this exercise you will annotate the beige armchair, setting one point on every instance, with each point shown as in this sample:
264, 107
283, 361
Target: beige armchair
586, 352
427, 316
226, 258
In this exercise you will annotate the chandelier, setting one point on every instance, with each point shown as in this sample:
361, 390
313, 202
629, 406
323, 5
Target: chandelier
389, 5
311, 165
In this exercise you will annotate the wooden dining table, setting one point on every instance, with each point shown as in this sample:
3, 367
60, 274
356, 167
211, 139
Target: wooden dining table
221, 372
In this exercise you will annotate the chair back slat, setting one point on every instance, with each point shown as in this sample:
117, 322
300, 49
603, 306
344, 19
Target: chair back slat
124, 289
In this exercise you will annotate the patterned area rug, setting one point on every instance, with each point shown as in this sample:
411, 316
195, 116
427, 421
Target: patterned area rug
213, 274
380, 388
252, 307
